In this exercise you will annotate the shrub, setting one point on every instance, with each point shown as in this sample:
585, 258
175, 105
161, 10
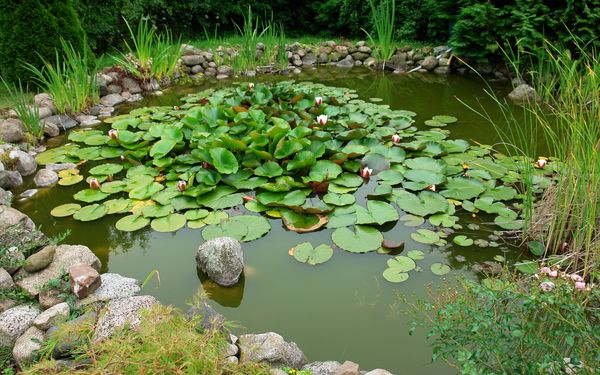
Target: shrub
31, 30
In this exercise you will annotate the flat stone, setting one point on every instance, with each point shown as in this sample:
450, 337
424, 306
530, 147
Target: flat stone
5, 197
225, 69
64, 257
347, 62
112, 100
113, 89
197, 69
112, 286
222, 260
6, 281
348, 368
88, 120
51, 297
135, 98
25, 163
117, 313
365, 49
27, 345
429, 63
28, 194
14, 322
222, 76
57, 167
191, 60
63, 122
322, 368
131, 85
11, 130
272, 349
54, 315
84, 280
45, 177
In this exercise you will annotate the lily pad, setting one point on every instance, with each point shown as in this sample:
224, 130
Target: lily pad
257, 226
306, 253
65, 210
70, 180
90, 213
440, 269
227, 228
89, 195
463, 241
363, 239
131, 223
394, 275
425, 236
377, 212
416, 254
169, 223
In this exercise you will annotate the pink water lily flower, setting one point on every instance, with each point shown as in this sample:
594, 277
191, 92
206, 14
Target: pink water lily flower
322, 120
547, 286
395, 139
541, 163
580, 285
366, 172
114, 134
94, 184
318, 100
181, 185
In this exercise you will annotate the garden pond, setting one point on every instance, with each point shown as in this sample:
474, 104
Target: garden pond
326, 250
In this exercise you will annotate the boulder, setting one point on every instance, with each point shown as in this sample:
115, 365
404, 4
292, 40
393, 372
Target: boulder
131, 85
191, 60
50, 128
84, 280
112, 286
120, 312
370, 62
10, 179
271, 349
360, 56
112, 100
524, 94
40, 260
5, 197
14, 322
221, 259
342, 51
17, 233
225, 70
54, 315
346, 62
65, 256
364, 49
44, 112
379, 371
88, 120
50, 297
230, 350
397, 61
27, 345
24, 162
322, 368
6, 281
43, 100
6, 304
309, 59
429, 63
197, 69
113, 89
45, 177
57, 167
11, 130
211, 319
348, 368
63, 122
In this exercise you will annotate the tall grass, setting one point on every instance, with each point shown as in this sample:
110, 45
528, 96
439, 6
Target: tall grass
249, 33
21, 102
383, 17
71, 81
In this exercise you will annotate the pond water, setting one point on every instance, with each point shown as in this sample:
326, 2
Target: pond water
343, 309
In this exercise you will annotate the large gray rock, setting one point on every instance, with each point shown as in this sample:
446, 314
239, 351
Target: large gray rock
24, 162
57, 167
112, 286
131, 85
40, 260
27, 345
271, 349
221, 259
45, 177
11, 130
6, 281
112, 100
191, 60
17, 233
346, 62
14, 322
54, 315
10, 179
524, 94
120, 312
64, 257
322, 368
50, 128
225, 70
43, 100
429, 63
88, 120
63, 122
5, 197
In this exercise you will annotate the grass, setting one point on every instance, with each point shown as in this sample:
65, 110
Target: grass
24, 106
70, 80
383, 17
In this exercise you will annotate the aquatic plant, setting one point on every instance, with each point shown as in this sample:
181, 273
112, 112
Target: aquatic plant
71, 80
27, 112
383, 17
284, 154
249, 33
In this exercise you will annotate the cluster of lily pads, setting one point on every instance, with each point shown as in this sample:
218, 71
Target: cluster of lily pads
294, 151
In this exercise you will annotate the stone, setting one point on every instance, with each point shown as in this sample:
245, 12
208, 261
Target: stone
74, 335
28, 194
370, 62
357, 63
112, 100
347, 62
11, 130
45, 177
84, 280
27, 345
43, 100
191, 60
225, 70
63, 122
117, 313
44, 112
379, 371
12, 259
135, 98
296, 60
233, 360
442, 70
112, 286
439, 50
429, 63
16, 230
309, 59
67, 366
113, 89
50, 297
126, 95
24, 162
50, 128
14, 322
342, 51
322, 368
6, 281
5, 196
151, 85
230, 350
359, 56
444, 61
365, 49
348, 368
222, 76
211, 319
221, 259
40, 260
6, 304
52, 316
323, 58
88, 120
210, 72
57, 167
64, 257
271, 349
197, 69
131, 85
523, 94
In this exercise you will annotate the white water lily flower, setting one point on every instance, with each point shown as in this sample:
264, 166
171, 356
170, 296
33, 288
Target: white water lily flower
114, 134
318, 100
541, 163
322, 119
395, 139
181, 185
366, 172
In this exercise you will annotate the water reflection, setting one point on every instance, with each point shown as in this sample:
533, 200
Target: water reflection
225, 296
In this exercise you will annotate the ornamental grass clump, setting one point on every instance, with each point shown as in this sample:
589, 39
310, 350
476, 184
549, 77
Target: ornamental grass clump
27, 112
383, 17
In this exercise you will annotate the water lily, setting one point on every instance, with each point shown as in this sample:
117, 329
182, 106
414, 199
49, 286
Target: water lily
575, 277
322, 119
94, 184
248, 198
181, 185
547, 286
431, 187
366, 172
318, 100
114, 134
580, 285
122, 157
251, 85
541, 162
395, 139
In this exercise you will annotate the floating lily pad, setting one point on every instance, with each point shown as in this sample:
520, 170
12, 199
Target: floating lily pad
377, 212
416, 254
363, 239
227, 228
89, 195
440, 269
257, 226
462, 241
445, 119
70, 180
106, 169
425, 236
132, 223
65, 210
412, 220
90, 213
169, 223
306, 253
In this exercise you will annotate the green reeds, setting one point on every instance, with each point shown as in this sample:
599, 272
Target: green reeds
20, 101
249, 33
383, 16
70, 80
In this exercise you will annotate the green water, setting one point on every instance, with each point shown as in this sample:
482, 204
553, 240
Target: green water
339, 310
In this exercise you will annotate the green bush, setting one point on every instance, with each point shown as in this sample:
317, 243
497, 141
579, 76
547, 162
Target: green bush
30, 31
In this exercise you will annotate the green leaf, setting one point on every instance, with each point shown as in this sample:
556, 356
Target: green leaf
425, 236
169, 223
131, 223
305, 253
108, 169
117, 206
257, 226
269, 169
146, 191
537, 248
462, 188
463, 241
224, 160
416, 254
162, 148
91, 212
302, 159
348, 180
412, 220
377, 212
323, 170
89, 195
65, 210
228, 228
302, 223
362, 240
394, 275
293, 198
339, 199
439, 269
426, 203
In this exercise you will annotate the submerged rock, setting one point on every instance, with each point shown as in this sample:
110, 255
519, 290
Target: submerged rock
222, 260
271, 349
112, 100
